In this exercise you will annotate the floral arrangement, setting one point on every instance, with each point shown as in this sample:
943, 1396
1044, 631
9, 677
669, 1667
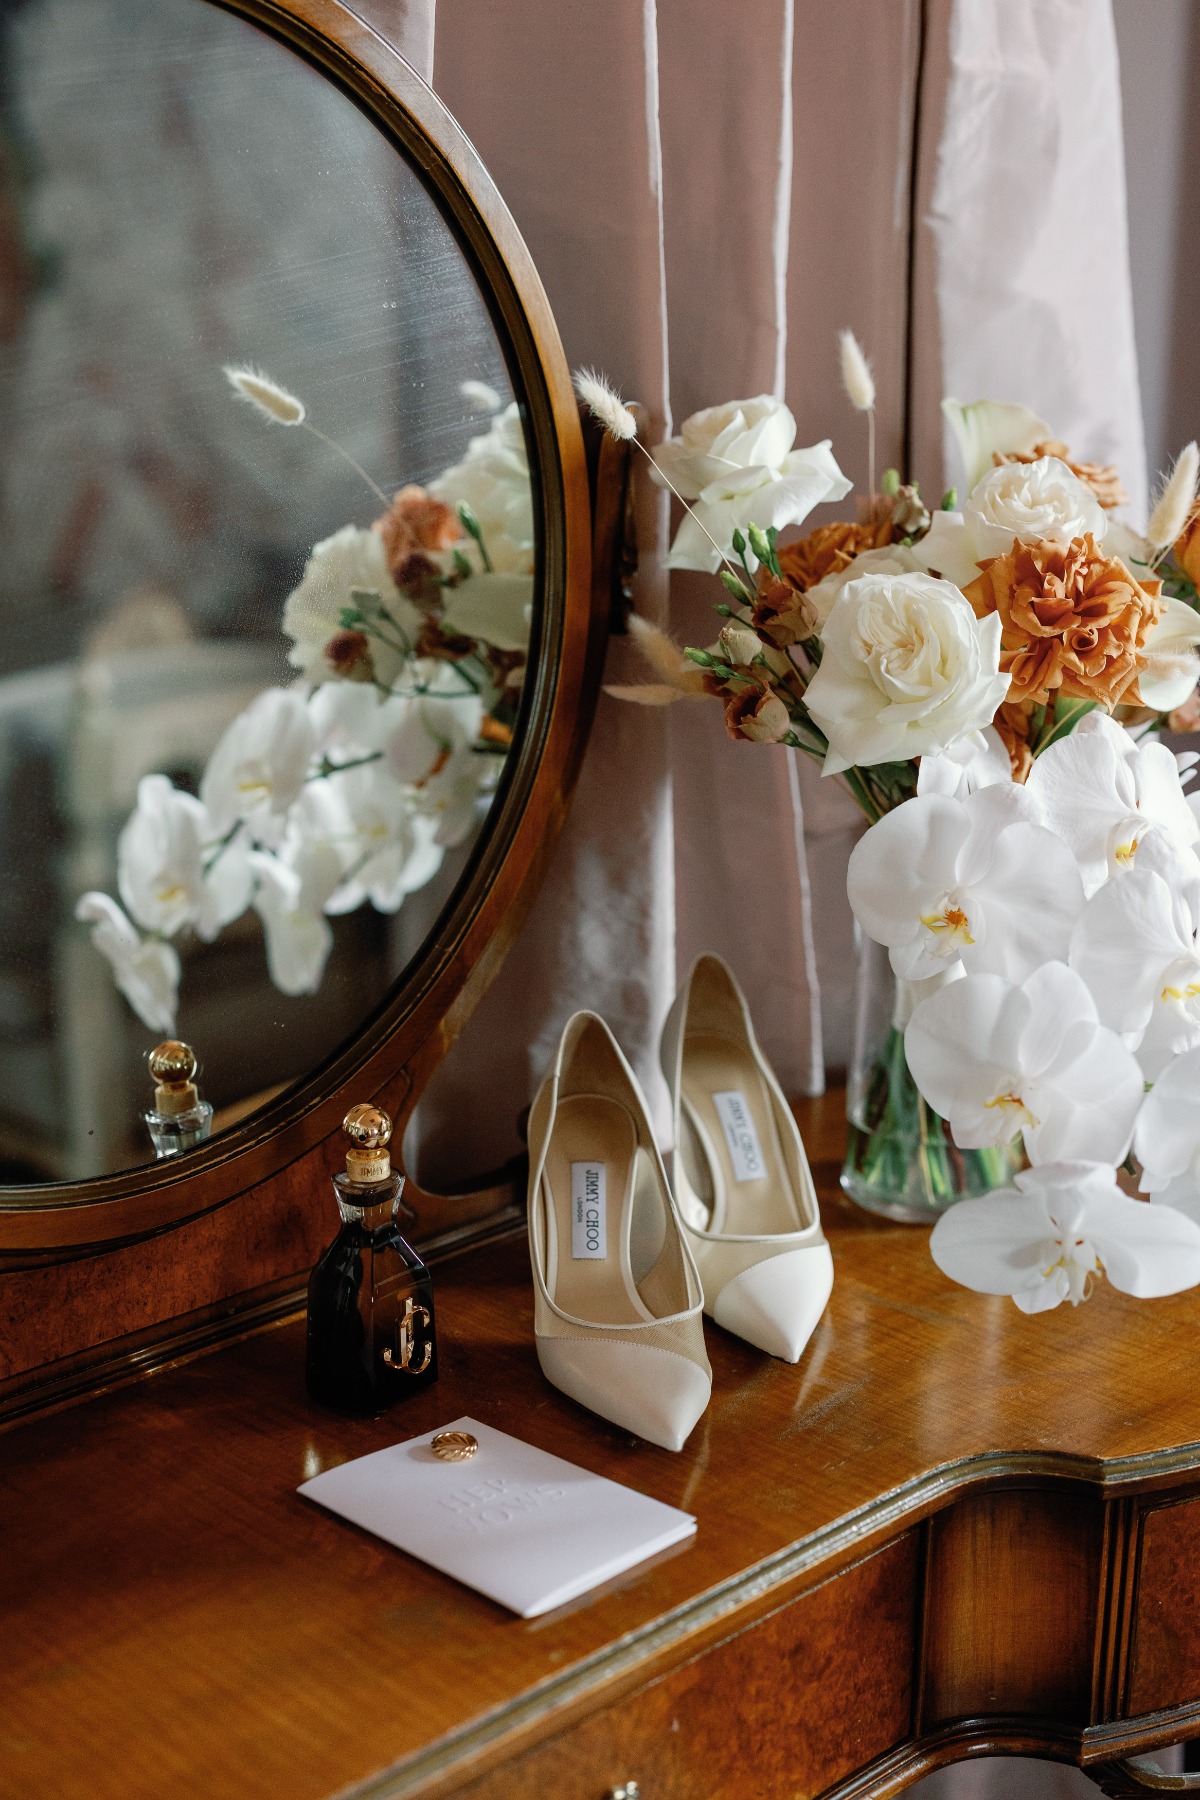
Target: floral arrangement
989, 682
409, 638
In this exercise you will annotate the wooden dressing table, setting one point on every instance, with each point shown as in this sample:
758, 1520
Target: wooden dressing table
950, 1530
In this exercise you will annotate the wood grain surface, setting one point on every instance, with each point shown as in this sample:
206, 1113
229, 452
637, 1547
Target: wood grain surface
179, 1622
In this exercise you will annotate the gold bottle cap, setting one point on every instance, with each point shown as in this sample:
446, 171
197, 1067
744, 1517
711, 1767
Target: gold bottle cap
369, 1130
173, 1067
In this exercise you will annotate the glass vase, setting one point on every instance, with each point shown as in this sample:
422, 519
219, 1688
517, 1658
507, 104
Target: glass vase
901, 1160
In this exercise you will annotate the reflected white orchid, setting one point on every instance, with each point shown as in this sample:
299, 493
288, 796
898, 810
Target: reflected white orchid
298, 936
1045, 1239
160, 857
430, 731
146, 969
994, 1059
388, 849
1099, 790
260, 765
737, 465
940, 880
170, 873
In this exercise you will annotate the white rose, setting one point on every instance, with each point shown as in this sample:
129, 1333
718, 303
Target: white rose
891, 559
1026, 502
906, 669
349, 561
493, 480
737, 464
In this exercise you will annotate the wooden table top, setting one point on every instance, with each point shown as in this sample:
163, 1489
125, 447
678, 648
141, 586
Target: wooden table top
177, 1620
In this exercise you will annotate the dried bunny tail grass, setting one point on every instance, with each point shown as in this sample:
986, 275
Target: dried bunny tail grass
857, 378
605, 404
270, 399
1175, 502
666, 658
480, 396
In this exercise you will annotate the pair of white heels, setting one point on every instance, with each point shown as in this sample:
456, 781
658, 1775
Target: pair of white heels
622, 1270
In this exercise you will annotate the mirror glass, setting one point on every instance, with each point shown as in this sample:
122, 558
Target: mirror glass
268, 581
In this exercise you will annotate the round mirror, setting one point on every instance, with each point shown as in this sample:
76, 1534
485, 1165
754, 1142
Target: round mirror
273, 577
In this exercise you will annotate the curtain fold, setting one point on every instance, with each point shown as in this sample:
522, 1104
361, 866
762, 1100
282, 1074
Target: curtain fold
682, 169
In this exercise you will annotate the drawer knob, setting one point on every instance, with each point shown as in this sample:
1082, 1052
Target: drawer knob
628, 1790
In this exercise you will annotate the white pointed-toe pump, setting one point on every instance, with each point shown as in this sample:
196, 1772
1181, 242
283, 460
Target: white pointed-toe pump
742, 1181
618, 1306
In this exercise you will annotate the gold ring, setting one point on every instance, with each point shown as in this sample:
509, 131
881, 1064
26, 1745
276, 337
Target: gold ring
453, 1446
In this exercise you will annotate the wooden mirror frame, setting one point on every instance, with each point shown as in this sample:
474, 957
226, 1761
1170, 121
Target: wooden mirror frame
399, 1047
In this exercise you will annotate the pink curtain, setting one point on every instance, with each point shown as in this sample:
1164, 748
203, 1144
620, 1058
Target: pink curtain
709, 193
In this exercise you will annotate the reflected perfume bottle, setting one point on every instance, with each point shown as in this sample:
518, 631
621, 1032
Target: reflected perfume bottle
371, 1337
179, 1119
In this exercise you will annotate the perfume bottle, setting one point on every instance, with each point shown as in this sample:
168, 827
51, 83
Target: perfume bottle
371, 1337
180, 1119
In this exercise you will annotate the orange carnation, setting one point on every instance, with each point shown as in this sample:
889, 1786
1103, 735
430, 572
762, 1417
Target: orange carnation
1014, 721
1073, 621
1102, 478
828, 549
415, 523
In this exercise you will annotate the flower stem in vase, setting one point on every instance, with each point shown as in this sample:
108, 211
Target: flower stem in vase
901, 1160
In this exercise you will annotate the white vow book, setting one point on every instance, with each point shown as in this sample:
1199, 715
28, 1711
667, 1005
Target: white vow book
524, 1528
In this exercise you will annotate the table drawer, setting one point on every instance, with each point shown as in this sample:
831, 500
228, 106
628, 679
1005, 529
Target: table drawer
797, 1700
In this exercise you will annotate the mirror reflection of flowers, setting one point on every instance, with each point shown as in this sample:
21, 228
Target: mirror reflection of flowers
990, 683
409, 637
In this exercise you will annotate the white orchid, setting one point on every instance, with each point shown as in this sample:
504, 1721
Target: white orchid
1013, 502
976, 760
389, 848
906, 669
1135, 946
492, 480
340, 570
1043, 1240
292, 890
145, 969
737, 465
939, 880
431, 730
169, 872
994, 1058
260, 765
987, 428
1167, 1140
1100, 791
160, 857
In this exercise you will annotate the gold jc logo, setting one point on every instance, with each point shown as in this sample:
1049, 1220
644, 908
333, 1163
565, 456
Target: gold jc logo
406, 1340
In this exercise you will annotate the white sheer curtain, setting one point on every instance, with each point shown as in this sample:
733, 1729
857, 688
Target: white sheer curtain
709, 193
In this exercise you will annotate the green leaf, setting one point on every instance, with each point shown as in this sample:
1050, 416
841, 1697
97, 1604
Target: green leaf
1067, 714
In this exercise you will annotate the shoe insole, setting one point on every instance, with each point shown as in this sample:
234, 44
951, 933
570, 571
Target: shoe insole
732, 1115
587, 1187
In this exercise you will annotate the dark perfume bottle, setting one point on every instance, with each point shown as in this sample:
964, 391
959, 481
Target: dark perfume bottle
179, 1118
371, 1337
